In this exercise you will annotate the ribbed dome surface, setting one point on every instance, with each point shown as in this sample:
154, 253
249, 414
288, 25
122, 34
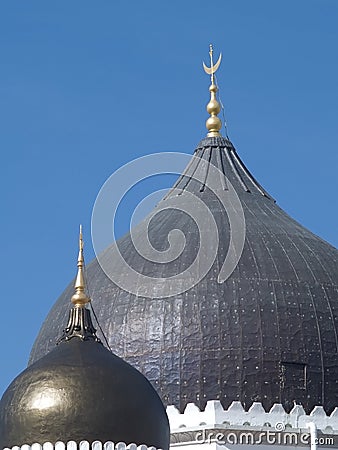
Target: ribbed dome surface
268, 333
81, 391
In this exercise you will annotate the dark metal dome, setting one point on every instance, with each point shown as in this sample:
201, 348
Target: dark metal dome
268, 333
81, 391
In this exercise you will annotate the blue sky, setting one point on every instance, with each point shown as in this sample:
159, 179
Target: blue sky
88, 86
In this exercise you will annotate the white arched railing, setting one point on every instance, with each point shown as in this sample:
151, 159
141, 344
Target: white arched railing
83, 445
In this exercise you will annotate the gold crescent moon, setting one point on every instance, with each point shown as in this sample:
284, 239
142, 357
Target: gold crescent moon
212, 69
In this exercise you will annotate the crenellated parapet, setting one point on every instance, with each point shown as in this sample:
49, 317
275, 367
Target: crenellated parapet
277, 418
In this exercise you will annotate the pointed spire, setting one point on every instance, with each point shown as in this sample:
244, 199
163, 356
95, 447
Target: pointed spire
80, 298
213, 123
79, 324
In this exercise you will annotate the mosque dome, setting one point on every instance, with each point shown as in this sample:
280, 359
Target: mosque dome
81, 391
266, 332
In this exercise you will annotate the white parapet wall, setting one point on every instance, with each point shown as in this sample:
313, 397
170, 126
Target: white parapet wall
216, 428
83, 445
214, 413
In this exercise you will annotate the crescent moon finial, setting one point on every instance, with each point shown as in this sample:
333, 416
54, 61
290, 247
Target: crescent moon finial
213, 67
213, 123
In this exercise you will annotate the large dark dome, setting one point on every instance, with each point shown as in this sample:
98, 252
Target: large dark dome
268, 333
81, 391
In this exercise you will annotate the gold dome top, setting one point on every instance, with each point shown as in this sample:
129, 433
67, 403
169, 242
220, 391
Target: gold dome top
213, 123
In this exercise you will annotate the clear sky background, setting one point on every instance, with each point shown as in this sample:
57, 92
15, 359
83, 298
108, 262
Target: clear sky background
87, 86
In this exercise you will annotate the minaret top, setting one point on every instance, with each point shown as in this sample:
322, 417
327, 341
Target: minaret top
213, 123
80, 298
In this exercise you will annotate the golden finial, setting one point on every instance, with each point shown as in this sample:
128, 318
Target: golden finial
213, 123
80, 298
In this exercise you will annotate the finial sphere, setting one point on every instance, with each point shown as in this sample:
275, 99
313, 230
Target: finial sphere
213, 125
213, 107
